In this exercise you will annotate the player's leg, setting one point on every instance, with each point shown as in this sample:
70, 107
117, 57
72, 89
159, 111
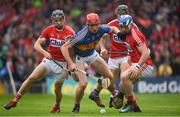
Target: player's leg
146, 72
39, 72
101, 67
127, 86
58, 93
81, 87
115, 74
118, 65
117, 100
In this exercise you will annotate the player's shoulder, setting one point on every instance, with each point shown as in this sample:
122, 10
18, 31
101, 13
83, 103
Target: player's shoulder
84, 30
49, 28
113, 23
135, 26
69, 28
136, 33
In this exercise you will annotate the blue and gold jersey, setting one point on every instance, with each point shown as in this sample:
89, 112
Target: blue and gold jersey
84, 42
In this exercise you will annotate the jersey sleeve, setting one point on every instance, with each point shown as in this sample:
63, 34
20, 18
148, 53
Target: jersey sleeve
80, 35
44, 33
139, 38
106, 28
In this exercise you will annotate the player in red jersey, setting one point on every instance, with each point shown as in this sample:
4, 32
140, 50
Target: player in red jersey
56, 35
117, 62
141, 64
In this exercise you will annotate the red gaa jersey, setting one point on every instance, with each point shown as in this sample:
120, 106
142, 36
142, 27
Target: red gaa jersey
135, 39
56, 39
116, 44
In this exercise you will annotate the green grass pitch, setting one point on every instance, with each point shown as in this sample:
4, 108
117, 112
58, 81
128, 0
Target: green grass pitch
40, 105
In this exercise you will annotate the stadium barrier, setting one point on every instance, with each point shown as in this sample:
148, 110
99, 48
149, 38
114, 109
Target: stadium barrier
145, 85
158, 85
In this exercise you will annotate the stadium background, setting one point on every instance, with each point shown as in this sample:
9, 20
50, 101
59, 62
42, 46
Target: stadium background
23, 20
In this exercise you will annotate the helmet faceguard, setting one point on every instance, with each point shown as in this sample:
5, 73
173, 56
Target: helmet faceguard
57, 14
121, 9
125, 22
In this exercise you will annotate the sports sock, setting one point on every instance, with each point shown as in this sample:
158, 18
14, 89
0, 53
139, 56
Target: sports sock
17, 97
77, 105
96, 92
135, 103
56, 105
130, 99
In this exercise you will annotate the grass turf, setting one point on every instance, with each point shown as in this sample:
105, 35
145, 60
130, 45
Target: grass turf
40, 105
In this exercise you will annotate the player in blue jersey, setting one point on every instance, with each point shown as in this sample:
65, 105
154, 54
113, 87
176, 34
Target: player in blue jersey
84, 43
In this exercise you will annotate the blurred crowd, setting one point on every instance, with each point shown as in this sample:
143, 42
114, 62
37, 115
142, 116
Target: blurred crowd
23, 20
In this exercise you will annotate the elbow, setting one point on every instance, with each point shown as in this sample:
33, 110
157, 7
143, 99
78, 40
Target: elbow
62, 48
65, 47
147, 54
35, 46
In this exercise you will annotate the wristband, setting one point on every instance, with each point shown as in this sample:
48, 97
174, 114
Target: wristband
137, 66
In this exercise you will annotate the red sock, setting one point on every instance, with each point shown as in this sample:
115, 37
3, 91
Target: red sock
57, 105
135, 103
130, 99
17, 97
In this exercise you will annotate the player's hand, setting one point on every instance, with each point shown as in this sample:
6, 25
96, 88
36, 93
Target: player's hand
104, 52
72, 67
134, 72
122, 36
47, 55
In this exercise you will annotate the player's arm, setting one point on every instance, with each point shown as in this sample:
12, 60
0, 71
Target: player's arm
145, 53
65, 51
38, 47
114, 30
70, 50
69, 45
102, 45
135, 70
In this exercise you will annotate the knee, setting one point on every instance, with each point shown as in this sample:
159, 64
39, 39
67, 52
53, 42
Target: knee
135, 80
57, 86
83, 85
111, 77
123, 79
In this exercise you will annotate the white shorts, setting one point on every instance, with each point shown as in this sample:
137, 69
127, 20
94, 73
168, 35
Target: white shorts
114, 63
146, 70
54, 69
89, 59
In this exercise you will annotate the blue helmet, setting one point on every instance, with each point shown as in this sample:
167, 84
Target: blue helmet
125, 20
